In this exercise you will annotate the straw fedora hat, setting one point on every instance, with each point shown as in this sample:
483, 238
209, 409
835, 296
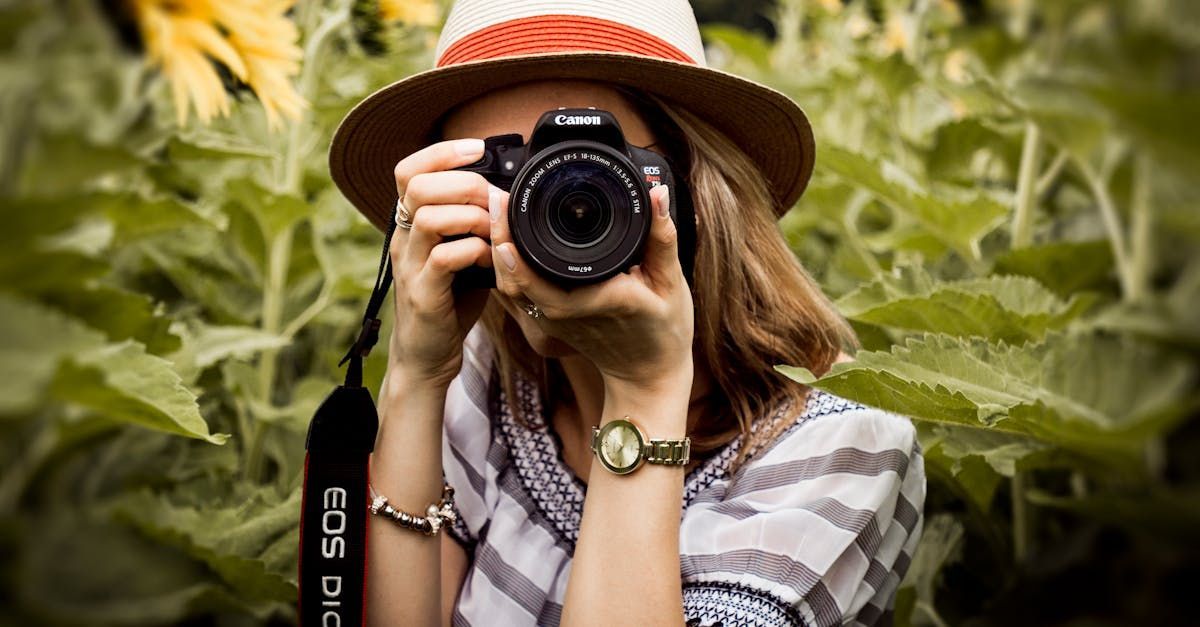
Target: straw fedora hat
651, 45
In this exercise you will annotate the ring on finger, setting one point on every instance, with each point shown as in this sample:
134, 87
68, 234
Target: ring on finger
403, 218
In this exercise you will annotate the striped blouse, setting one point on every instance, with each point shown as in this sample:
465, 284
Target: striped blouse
817, 527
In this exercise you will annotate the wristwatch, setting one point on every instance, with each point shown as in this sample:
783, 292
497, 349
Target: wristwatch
622, 446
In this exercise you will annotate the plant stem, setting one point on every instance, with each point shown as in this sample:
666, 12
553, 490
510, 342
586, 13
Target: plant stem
857, 202
16, 475
1112, 224
1031, 156
1141, 232
272, 307
932, 614
281, 244
1052, 172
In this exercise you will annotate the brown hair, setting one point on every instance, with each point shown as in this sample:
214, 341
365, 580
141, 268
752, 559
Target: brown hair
756, 306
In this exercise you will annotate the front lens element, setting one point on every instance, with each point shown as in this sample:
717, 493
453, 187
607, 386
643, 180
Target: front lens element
581, 218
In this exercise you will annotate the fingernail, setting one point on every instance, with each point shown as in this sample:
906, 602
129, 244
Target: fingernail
664, 203
469, 147
494, 203
506, 254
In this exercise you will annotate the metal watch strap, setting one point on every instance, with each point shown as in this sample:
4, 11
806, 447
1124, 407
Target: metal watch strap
667, 452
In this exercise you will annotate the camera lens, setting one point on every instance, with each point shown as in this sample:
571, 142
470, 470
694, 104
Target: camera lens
579, 211
578, 214
580, 219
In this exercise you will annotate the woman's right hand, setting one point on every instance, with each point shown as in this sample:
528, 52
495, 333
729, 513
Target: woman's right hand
431, 320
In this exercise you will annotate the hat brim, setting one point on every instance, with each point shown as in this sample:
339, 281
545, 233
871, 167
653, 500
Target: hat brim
400, 119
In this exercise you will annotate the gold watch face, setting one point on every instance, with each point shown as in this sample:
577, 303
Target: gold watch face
620, 446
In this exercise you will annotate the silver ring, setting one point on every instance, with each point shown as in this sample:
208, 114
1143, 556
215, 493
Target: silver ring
403, 219
533, 310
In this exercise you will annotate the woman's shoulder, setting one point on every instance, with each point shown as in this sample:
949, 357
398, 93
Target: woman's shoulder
828, 424
817, 527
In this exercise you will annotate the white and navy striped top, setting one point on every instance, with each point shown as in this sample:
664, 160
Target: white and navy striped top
816, 528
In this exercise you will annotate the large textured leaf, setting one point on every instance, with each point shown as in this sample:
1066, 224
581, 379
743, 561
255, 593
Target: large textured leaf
1164, 123
274, 211
124, 383
136, 216
958, 219
957, 143
941, 544
209, 144
1006, 308
120, 314
209, 344
230, 296
1064, 267
112, 576
1097, 394
231, 539
1067, 115
33, 340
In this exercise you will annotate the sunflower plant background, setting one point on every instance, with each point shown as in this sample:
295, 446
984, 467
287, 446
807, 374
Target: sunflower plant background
1002, 206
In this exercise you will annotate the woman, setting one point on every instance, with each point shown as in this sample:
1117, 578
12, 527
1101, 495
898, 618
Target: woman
795, 507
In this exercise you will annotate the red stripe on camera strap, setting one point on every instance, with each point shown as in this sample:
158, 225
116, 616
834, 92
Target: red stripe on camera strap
333, 512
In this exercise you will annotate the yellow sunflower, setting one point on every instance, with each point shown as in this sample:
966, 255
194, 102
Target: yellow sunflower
414, 12
252, 38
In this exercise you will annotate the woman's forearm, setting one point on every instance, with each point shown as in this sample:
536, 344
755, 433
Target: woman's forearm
404, 566
625, 569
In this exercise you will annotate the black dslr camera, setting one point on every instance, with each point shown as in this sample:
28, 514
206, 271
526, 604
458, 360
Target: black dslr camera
579, 209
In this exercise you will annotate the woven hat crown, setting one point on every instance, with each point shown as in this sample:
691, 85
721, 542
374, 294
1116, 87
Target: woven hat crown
485, 29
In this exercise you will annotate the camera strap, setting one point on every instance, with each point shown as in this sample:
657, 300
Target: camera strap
333, 514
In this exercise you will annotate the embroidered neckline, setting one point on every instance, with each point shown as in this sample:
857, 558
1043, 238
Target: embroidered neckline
555, 489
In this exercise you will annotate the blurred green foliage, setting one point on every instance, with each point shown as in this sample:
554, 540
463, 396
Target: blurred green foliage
1002, 206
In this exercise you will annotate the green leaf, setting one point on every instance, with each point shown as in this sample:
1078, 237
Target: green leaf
137, 216
958, 218
212, 283
209, 344
1045, 390
274, 212
107, 574
209, 144
124, 383
956, 143
62, 163
745, 45
1161, 122
33, 340
941, 545
120, 314
231, 539
1007, 308
1065, 267
1066, 114
1002, 452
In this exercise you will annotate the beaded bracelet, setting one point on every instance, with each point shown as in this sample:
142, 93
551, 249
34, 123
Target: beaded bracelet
436, 515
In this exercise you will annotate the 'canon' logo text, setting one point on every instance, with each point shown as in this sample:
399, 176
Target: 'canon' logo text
577, 120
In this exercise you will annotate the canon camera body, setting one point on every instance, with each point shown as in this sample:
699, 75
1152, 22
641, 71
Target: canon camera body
579, 208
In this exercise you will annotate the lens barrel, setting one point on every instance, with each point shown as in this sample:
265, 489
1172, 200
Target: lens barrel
579, 211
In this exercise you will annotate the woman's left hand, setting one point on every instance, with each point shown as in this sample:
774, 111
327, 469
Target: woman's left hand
636, 326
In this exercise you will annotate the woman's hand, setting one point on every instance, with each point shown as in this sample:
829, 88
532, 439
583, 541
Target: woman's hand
636, 327
431, 322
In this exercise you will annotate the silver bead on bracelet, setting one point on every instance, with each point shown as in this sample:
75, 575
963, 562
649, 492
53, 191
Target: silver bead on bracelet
436, 515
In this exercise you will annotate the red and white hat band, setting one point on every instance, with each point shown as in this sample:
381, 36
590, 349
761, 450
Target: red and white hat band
485, 29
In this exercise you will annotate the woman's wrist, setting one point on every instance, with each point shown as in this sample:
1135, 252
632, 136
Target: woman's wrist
659, 403
677, 379
411, 395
